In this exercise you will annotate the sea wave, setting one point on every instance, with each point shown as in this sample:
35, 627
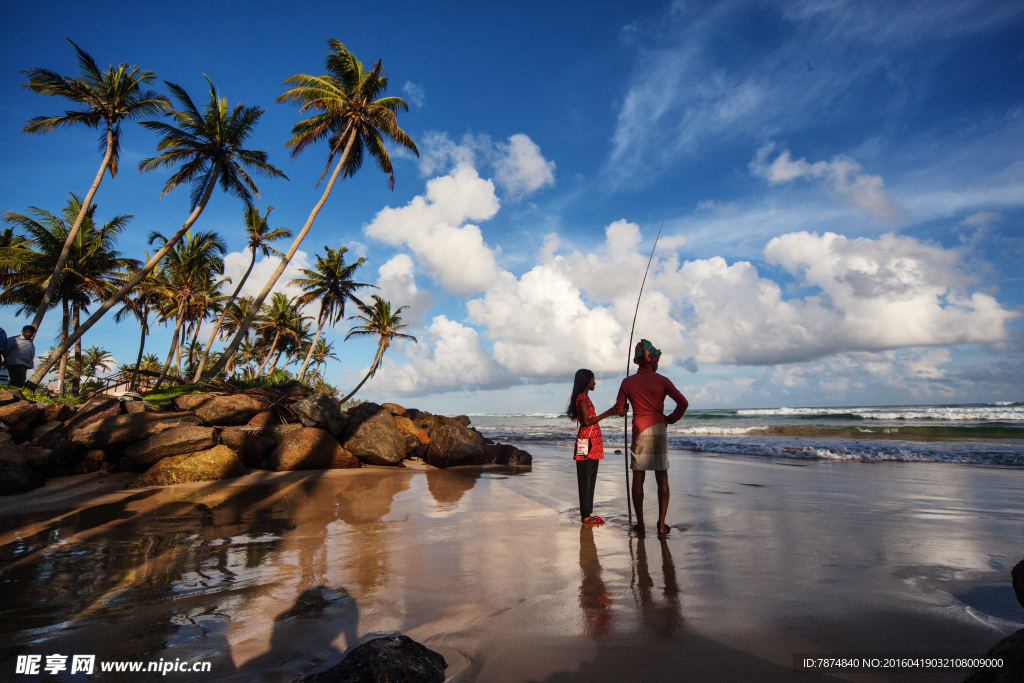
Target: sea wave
1010, 413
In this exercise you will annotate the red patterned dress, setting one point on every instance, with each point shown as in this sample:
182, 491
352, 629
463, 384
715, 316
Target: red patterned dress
593, 432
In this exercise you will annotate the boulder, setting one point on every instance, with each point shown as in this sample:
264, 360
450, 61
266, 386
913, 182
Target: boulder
407, 426
19, 416
309, 448
451, 446
503, 454
132, 407
1011, 651
414, 448
294, 390
221, 409
128, 428
219, 462
371, 435
92, 410
22, 454
175, 441
60, 412
397, 659
61, 456
250, 445
265, 418
461, 419
1017, 575
94, 461
323, 412
46, 428
393, 408
17, 478
10, 396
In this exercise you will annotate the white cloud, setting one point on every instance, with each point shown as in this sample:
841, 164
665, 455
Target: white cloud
434, 226
520, 168
842, 175
397, 284
236, 263
414, 93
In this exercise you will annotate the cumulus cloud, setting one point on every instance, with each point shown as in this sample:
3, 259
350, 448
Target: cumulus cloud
841, 175
414, 93
397, 284
236, 262
434, 226
520, 168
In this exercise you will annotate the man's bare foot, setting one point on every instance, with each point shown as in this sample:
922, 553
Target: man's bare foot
639, 530
663, 529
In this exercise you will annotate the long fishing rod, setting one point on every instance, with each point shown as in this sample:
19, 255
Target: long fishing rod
629, 350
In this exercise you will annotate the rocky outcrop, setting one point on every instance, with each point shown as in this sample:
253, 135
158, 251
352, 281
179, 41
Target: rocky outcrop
20, 416
175, 441
22, 454
10, 396
393, 408
58, 456
451, 446
294, 390
17, 478
278, 432
93, 410
221, 409
57, 412
461, 419
264, 418
386, 660
309, 448
407, 426
372, 435
122, 428
250, 445
323, 412
504, 454
219, 462
132, 407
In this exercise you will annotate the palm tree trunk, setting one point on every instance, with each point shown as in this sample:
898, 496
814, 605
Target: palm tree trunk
220, 321
309, 354
44, 367
174, 345
269, 353
76, 380
142, 345
243, 328
63, 367
195, 340
276, 360
345, 400
373, 369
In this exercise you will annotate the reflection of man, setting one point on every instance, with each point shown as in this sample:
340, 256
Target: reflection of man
664, 617
646, 392
20, 356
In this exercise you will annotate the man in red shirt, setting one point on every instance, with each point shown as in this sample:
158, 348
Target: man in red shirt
646, 392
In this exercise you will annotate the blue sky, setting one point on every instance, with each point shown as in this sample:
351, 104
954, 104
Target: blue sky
841, 186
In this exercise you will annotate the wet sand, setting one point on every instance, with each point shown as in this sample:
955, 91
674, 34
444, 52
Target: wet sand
274, 575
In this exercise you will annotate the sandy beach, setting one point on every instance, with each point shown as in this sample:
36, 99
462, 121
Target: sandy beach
271, 576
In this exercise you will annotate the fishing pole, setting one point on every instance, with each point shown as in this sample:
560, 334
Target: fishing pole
629, 350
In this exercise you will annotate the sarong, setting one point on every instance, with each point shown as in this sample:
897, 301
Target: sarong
650, 449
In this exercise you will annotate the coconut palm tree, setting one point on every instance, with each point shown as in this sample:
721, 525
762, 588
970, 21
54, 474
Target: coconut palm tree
139, 303
96, 359
208, 147
353, 119
108, 98
381, 322
281, 318
321, 353
260, 235
330, 283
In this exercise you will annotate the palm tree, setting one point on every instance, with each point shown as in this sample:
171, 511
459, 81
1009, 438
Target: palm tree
209, 148
140, 301
96, 359
353, 119
321, 353
260, 235
109, 98
330, 282
281, 318
381, 322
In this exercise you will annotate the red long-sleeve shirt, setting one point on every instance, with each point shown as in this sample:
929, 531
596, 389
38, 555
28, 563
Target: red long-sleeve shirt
646, 392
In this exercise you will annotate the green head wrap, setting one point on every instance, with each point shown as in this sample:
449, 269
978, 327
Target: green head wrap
640, 358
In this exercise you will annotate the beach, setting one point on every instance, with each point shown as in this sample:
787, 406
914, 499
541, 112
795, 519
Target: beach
273, 575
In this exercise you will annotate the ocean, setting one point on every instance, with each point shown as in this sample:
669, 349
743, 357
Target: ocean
978, 434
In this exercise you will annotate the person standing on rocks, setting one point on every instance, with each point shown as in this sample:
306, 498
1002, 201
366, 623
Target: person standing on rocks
20, 355
646, 392
589, 450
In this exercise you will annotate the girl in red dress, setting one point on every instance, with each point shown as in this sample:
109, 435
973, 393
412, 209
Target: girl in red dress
581, 410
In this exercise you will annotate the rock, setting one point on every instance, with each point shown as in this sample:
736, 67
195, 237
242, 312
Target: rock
1017, 575
47, 428
94, 461
265, 418
121, 428
309, 448
17, 478
249, 444
61, 412
19, 416
175, 441
10, 396
278, 432
61, 455
391, 659
132, 407
219, 462
1011, 650
92, 410
477, 436
503, 454
414, 448
22, 454
372, 436
407, 426
450, 446
221, 409
461, 419
323, 412
393, 408
295, 390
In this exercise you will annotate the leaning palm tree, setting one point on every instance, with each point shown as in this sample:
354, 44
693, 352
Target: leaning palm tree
209, 148
381, 322
330, 283
108, 98
353, 119
281, 318
260, 235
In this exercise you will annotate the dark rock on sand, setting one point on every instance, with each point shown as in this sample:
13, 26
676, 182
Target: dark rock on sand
371, 435
461, 419
219, 462
450, 446
309, 448
1011, 650
504, 454
391, 659
408, 427
22, 454
17, 478
19, 416
95, 460
46, 428
94, 409
121, 428
132, 407
323, 412
1017, 575
221, 409
176, 441
10, 396
57, 412
250, 445
61, 456
278, 432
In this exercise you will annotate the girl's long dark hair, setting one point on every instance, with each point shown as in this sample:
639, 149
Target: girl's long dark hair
579, 385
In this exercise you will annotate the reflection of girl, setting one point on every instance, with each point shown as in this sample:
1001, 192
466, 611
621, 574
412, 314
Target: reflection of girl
582, 410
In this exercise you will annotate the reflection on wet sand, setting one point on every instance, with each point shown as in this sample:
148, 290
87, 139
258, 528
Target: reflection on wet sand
664, 616
595, 600
448, 486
